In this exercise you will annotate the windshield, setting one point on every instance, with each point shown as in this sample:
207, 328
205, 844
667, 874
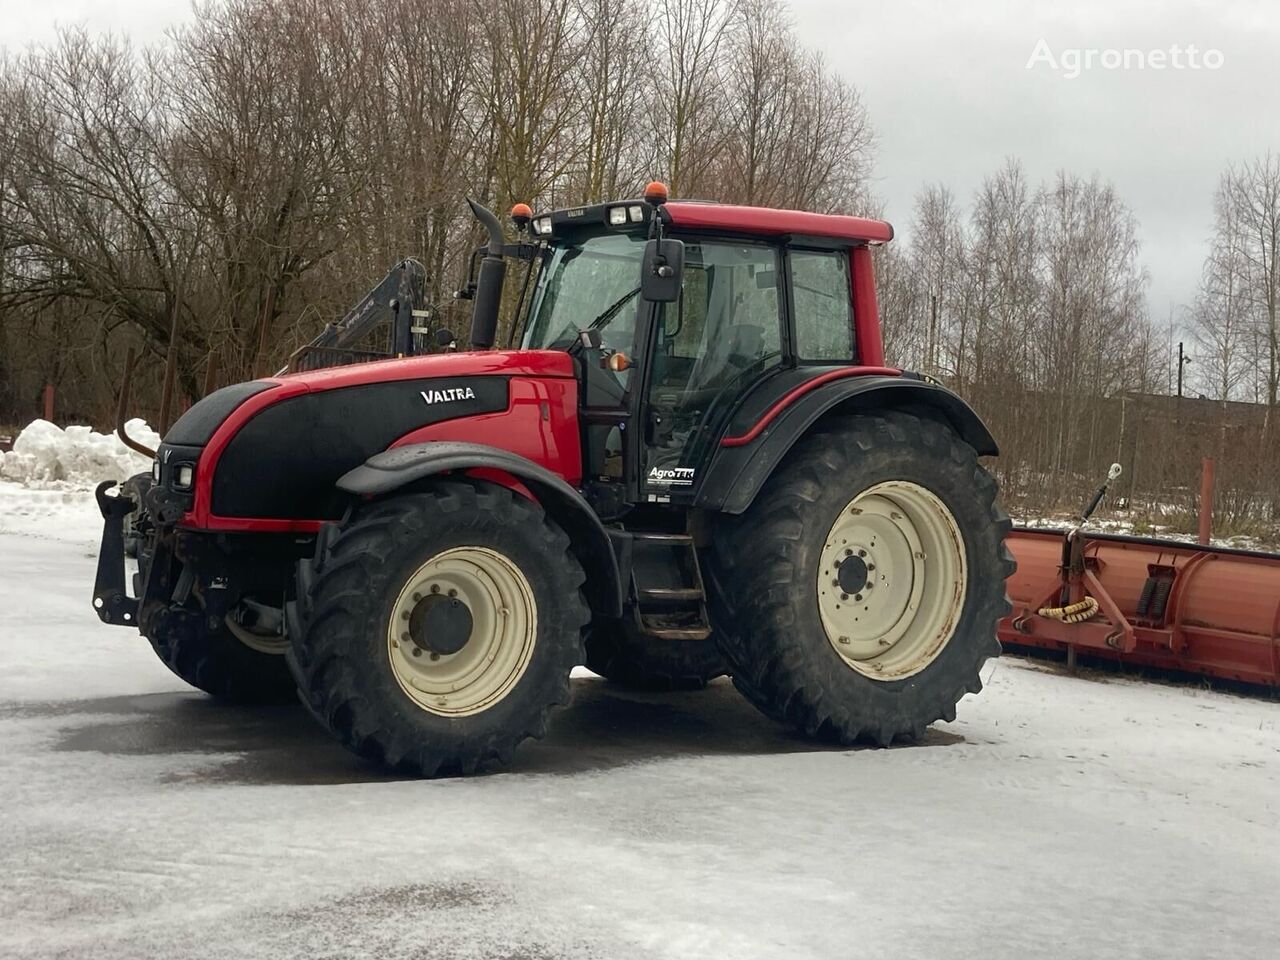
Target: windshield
593, 283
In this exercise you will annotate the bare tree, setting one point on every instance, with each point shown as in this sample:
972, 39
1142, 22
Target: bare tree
938, 254
1252, 192
687, 99
615, 68
1221, 315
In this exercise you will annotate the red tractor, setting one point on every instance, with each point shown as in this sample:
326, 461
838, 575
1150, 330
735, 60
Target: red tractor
695, 462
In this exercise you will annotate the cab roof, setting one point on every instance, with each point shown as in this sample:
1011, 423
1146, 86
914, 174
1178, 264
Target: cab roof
766, 221
700, 215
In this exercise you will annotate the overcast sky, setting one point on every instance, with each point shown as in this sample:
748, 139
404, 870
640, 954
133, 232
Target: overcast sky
950, 94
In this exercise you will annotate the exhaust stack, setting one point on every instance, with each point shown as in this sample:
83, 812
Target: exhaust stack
489, 280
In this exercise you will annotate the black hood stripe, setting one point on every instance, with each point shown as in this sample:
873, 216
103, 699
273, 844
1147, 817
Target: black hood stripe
284, 462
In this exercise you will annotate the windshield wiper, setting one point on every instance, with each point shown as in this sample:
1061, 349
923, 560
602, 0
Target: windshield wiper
612, 310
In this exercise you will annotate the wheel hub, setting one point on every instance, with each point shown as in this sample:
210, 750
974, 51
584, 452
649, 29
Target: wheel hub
461, 633
891, 580
440, 624
852, 574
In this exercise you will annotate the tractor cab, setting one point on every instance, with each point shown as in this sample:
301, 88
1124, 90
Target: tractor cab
682, 315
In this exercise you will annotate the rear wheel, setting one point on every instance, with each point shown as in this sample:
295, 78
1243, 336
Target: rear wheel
619, 652
859, 594
436, 631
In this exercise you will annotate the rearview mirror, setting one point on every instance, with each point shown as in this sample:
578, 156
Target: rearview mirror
662, 271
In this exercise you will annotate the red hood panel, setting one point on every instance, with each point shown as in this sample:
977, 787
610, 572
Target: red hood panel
517, 363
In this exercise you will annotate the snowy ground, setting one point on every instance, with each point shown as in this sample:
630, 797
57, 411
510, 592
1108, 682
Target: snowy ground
1058, 816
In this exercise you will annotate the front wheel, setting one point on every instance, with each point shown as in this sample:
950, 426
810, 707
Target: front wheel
228, 662
435, 631
858, 595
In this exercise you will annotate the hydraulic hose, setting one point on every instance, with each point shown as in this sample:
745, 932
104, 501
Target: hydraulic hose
1076, 612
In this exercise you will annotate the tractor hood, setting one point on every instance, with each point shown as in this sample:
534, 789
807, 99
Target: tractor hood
197, 426
273, 449
528, 363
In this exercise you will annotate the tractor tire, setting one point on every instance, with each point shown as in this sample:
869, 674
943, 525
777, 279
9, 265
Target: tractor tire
219, 663
857, 597
617, 651
434, 631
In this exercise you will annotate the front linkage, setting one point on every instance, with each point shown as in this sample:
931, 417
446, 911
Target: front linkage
110, 598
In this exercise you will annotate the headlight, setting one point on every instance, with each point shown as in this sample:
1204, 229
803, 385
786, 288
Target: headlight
183, 476
637, 213
155, 470
617, 216
542, 226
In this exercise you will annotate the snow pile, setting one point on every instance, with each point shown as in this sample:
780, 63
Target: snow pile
44, 455
53, 511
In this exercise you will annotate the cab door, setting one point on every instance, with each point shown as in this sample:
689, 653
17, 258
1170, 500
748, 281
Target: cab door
706, 349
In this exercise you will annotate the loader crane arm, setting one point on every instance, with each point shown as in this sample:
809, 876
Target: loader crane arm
400, 297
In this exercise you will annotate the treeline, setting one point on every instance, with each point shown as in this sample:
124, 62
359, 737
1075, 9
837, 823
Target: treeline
254, 175
1030, 302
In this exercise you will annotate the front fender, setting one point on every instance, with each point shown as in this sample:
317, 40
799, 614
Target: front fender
739, 470
394, 469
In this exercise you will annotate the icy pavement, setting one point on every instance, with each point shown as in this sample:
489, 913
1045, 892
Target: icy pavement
1058, 817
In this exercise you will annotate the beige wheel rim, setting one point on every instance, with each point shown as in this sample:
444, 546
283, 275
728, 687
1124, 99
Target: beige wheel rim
504, 627
892, 580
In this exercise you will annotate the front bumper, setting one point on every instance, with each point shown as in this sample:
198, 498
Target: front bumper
110, 598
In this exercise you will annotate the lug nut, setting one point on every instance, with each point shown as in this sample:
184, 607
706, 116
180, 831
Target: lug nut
844, 596
848, 553
417, 651
453, 593
871, 566
435, 588
862, 553
857, 597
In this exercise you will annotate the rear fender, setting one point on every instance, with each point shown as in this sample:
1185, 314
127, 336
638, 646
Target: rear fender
739, 470
393, 470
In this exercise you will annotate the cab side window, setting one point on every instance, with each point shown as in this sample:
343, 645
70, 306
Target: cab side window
822, 295
724, 327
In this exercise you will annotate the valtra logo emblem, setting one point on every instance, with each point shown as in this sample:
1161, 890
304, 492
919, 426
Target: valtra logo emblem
448, 396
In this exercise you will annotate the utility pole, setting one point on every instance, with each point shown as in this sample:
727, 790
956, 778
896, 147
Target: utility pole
932, 346
1182, 361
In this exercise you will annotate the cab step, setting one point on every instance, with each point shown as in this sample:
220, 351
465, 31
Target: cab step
666, 586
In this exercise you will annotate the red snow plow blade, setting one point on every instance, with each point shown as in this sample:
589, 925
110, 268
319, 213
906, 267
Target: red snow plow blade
1174, 606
